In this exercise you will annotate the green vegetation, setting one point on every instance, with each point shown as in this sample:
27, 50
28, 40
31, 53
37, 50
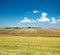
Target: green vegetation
29, 44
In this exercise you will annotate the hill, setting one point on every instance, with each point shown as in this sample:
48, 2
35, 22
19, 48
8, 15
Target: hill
30, 31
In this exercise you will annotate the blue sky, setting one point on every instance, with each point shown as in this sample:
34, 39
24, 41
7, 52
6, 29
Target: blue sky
24, 13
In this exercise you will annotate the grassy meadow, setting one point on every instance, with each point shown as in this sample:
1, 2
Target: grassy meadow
29, 45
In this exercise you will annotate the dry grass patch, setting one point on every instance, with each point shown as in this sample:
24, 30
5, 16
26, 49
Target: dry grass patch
20, 45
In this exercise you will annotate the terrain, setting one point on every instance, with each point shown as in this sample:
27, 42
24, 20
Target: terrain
30, 31
30, 41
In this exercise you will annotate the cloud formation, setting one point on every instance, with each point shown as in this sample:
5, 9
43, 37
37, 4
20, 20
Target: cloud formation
35, 11
54, 21
43, 18
26, 20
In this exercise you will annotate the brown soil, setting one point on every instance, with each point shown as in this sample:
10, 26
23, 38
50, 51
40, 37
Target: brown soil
31, 31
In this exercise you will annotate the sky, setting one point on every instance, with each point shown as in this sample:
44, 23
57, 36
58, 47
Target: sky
26, 13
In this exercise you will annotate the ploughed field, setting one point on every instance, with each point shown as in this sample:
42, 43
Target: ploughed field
31, 31
30, 41
39, 31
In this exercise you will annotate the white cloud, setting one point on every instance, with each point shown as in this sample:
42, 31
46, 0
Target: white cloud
27, 20
35, 11
54, 21
44, 14
43, 18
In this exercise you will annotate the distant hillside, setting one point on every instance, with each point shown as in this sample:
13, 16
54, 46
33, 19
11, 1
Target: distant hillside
30, 31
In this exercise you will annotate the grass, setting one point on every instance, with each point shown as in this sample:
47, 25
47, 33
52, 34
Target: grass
29, 45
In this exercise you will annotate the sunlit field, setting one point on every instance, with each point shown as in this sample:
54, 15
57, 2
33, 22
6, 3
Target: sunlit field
29, 45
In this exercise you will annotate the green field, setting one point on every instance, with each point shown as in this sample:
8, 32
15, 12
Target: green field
29, 45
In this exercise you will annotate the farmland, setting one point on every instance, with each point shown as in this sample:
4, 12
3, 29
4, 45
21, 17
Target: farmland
30, 41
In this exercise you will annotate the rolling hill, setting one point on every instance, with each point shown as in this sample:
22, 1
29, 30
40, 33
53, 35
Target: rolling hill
30, 31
